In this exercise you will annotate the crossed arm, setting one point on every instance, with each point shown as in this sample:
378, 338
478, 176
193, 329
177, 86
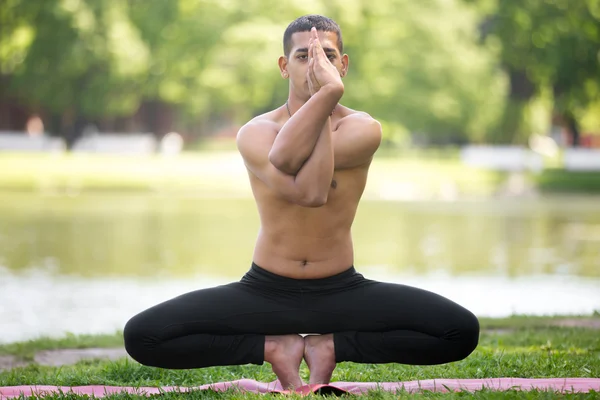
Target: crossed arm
298, 163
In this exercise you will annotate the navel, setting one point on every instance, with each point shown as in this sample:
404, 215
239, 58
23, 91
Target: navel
304, 262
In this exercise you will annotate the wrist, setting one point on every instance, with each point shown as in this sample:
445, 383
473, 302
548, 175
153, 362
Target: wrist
333, 90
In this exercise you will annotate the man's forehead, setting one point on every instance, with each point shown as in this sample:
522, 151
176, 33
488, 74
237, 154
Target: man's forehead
300, 40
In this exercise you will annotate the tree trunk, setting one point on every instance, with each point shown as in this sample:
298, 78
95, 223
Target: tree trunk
572, 127
512, 128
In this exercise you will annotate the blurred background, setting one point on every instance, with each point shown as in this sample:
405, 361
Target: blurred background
120, 184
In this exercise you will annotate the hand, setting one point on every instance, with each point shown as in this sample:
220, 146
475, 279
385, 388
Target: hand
313, 83
320, 71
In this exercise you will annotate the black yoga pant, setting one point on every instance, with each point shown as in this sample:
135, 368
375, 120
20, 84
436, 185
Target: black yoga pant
371, 322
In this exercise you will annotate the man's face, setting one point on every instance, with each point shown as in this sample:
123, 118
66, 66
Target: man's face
296, 64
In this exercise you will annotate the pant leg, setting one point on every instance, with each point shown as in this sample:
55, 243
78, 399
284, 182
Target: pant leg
376, 322
224, 325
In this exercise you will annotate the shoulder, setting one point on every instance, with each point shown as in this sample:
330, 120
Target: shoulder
356, 139
256, 136
360, 123
262, 125
359, 120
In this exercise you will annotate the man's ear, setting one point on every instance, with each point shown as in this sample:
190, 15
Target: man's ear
283, 61
345, 65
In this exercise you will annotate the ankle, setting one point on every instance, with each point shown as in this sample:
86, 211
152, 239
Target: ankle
322, 341
271, 346
276, 344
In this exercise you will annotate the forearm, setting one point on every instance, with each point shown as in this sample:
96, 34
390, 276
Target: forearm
314, 177
297, 139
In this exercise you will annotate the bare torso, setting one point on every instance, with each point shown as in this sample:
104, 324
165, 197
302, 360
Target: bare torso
304, 242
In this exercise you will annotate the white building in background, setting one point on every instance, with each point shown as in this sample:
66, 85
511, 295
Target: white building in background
115, 143
24, 142
502, 158
578, 159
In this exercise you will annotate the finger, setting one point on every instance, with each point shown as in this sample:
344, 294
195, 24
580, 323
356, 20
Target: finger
311, 84
318, 51
313, 77
315, 40
319, 54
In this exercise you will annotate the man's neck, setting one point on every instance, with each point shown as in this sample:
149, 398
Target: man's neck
293, 104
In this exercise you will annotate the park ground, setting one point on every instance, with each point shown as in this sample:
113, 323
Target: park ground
219, 171
519, 346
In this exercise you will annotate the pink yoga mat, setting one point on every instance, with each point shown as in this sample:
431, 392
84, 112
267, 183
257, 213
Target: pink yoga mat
562, 385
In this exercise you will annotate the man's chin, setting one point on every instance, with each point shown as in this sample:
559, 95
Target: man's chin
303, 94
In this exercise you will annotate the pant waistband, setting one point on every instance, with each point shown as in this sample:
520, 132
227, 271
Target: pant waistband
260, 273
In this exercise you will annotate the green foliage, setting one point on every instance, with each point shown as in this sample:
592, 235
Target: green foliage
83, 56
550, 48
412, 65
418, 66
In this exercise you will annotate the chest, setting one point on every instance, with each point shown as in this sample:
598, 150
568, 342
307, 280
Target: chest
346, 184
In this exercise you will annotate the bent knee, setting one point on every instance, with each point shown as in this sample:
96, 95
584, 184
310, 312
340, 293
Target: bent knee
137, 340
466, 337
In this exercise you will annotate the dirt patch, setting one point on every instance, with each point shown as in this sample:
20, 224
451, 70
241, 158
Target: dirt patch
593, 323
589, 323
9, 362
57, 358
499, 331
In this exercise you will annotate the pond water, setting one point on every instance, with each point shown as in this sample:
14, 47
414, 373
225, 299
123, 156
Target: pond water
86, 264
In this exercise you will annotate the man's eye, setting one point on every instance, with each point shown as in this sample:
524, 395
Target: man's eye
302, 57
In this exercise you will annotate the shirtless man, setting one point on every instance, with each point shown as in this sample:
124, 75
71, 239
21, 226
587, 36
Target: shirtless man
307, 162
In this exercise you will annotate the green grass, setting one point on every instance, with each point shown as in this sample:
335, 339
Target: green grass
215, 173
519, 346
559, 180
218, 171
26, 350
74, 173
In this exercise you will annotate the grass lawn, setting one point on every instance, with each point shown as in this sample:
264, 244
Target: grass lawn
221, 173
526, 347
213, 173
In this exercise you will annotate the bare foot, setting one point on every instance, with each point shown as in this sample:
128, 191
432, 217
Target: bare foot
284, 353
319, 353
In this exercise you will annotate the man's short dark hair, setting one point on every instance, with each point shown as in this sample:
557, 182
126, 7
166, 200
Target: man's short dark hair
305, 24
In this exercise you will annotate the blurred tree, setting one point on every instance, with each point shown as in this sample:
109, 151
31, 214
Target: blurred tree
549, 48
78, 59
416, 66
411, 65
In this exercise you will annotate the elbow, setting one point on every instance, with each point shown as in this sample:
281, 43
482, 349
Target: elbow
315, 201
282, 164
